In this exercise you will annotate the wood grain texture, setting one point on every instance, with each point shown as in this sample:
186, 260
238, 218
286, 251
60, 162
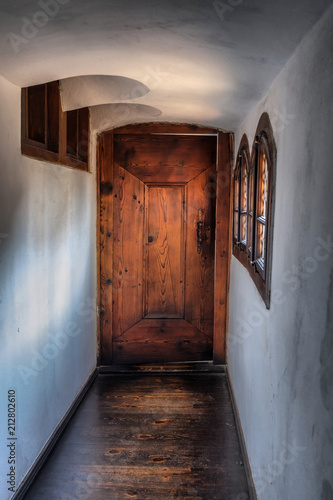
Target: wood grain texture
162, 341
106, 243
151, 278
128, 274
223, 246
148, 438
53, 108
166, 252
199, 294
180, 368
165, 158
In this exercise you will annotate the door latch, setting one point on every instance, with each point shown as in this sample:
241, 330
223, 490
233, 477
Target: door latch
203, 232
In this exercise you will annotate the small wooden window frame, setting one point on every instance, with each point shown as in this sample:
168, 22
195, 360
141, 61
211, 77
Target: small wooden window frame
243, 162
52, 152
259, 269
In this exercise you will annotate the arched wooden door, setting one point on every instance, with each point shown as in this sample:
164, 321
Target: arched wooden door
164, 200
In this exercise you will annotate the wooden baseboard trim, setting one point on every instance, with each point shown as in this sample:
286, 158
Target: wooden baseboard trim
252, 490
163, 369
44, 454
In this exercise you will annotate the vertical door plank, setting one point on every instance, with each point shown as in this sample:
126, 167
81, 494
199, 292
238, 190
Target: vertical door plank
223, 246
145, 251
106, 244
165, 276
128, 199
199, 294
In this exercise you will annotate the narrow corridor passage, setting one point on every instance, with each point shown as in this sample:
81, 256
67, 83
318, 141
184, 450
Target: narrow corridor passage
148, 437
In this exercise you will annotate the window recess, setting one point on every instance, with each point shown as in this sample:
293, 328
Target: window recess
50, 134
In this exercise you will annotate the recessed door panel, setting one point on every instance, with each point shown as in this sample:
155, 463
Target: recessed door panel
165, 255
199, 292
162, 340
128, 250
171, 158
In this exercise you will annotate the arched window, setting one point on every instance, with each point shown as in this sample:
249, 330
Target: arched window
253, 206
241, 197
264, 169
251, 203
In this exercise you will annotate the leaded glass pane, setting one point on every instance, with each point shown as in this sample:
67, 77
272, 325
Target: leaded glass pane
236, 225
261, 232
243, 228
244, 186
251, 190
263, 185
249, 232
236, 207
236, 195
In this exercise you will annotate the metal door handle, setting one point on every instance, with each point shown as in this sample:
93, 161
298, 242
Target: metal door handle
203, 232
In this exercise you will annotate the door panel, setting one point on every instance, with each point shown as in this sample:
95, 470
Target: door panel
166, 256
151, 212
162, 340
199, 294
165, 158
128, 250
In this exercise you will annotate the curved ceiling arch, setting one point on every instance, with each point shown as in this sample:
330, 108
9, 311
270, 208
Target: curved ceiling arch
204, 62
108, 116
92, 90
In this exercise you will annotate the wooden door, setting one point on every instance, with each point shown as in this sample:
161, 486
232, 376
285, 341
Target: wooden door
158, 199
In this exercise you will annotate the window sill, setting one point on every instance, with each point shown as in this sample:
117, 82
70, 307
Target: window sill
261, 285
39, 153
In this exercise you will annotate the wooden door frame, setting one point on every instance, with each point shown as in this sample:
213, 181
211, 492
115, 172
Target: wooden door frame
104, 176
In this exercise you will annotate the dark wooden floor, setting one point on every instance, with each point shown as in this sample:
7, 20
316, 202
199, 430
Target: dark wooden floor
148, 437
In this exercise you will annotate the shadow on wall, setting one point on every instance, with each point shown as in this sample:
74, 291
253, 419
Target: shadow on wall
326, 353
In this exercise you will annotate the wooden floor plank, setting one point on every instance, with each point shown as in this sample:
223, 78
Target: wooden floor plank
148, 437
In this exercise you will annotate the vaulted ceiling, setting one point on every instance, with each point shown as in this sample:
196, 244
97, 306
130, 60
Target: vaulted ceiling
199, 61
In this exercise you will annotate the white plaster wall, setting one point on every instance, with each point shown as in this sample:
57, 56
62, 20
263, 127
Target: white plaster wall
281, 361
47, 289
